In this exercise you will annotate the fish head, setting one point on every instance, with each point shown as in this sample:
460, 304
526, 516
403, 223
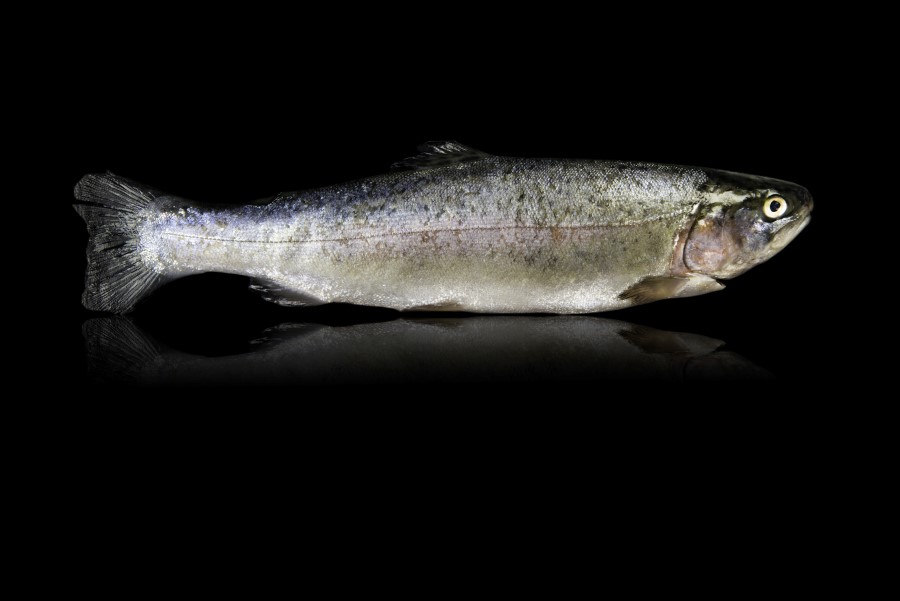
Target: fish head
742, 221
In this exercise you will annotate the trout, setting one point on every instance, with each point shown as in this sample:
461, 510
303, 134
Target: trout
452, 229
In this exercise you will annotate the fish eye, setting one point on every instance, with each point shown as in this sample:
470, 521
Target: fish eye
774, 207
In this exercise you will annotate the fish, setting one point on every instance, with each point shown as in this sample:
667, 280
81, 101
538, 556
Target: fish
477, 348
452, 229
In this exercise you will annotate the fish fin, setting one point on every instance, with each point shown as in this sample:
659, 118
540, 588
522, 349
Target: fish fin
439, 154
117, 277
654, 341
439, 323
448, 305
656, 288
117, 350
700, 284
651, 289
274, 292
282, 333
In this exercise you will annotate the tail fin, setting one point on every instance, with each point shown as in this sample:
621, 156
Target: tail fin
118, 351
117, 276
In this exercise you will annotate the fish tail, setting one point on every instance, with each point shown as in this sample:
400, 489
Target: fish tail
117, 351
117, 274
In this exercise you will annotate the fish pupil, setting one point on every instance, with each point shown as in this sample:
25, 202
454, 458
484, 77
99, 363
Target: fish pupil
774, 206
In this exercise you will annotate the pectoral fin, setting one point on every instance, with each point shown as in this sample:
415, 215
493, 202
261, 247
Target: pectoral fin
654, 341
656, 288
700, 284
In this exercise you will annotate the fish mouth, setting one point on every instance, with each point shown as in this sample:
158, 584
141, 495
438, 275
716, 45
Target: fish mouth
787, 234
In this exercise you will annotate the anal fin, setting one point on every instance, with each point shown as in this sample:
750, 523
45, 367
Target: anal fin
274, 292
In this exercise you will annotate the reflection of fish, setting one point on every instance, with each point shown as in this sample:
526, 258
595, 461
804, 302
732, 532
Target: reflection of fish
453, 229
514, 349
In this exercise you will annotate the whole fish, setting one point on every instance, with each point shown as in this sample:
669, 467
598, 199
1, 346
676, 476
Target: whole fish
452, 229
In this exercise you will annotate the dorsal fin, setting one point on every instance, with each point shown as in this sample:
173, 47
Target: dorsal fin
439, 154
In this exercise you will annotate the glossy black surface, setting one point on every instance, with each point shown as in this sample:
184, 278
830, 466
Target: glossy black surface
473, 349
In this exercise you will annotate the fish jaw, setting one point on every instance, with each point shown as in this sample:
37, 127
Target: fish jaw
786, 235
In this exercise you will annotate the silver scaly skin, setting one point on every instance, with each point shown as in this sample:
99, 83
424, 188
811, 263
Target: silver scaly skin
454, 229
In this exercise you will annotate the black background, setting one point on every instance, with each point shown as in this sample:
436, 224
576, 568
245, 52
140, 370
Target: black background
228, 107
222, 117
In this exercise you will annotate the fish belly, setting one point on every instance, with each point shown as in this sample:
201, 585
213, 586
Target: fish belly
500, 268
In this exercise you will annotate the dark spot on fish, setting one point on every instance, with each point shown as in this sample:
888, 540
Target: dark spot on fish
556, 234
